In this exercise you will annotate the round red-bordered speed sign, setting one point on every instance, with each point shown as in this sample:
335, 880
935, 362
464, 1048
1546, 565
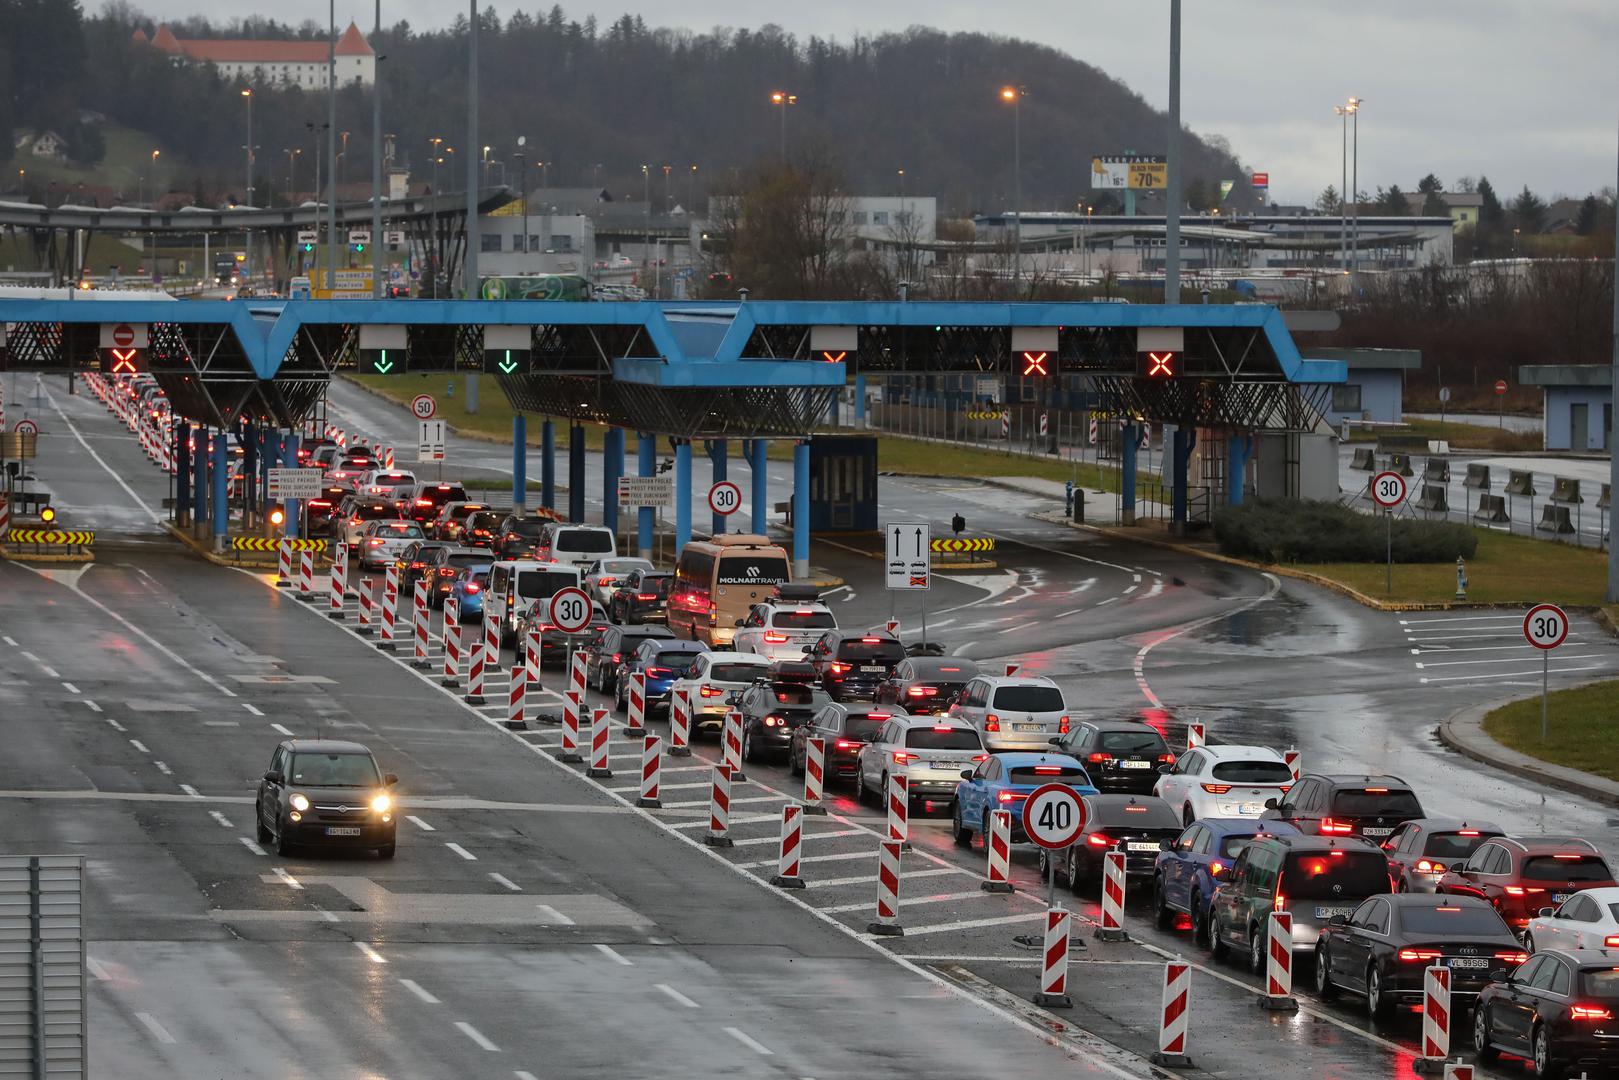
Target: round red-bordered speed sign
424, 406
1053, 816
1388, 490
725, 498
1545, 626
570, 610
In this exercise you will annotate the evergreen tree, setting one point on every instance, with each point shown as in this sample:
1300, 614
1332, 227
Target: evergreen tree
1529, 211
1490, 212
1433, 202
1329, 201
1585, 222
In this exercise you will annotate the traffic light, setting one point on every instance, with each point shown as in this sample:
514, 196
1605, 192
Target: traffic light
1158, 364
1038, 363
379, 362
47, 514
359, 246
506, 361
278, 517
123, 361
309, 247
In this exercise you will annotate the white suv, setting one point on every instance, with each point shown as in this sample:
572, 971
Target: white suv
575, 545
1017, 712
929, 751
714, 679
387, 483
780, 629
1224, 781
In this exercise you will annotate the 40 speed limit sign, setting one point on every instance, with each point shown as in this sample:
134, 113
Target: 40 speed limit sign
1053, 816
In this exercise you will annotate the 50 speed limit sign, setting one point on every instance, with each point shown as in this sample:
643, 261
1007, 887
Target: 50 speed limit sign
570, 610
1545, 626
1388, 489
1053, 816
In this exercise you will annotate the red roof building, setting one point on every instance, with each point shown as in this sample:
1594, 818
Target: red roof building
294, 63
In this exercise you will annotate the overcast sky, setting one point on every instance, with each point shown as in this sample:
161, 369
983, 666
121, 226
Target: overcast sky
1521, 91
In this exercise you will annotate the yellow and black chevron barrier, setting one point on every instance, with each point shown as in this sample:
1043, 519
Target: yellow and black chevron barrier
983, 416
53, 537
272, 544
962, 544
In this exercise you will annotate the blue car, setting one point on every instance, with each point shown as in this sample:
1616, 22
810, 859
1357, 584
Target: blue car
466, 592
1003, 781
1187, 875
664, 660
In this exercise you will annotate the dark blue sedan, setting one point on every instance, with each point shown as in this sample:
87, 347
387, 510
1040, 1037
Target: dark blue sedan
664, 660
1003, 781
1187, 875
466, 592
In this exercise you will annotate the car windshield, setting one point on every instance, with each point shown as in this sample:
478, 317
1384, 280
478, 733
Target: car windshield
1047, 774
1146, 741
792, 693
632, 640
529, 527
461, 562
402, 530
1253, 772
1602, 982
1335, 875
375, 513
677, 661
1452, 919
584, 540
393, 479
1564, 868
1399, 805
655, 586
871, 650
804, 620
1231, 846
737, 673
1454, 845
481, 579
1151, 814
621, 566
465, 510
860, 726
439, 494
1029, 699
750, 569
943, 738
541, 584
334, 770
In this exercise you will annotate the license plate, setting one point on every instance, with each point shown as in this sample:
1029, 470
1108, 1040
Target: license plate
944, 765
1468, 962
872, 667
1559, 897
343, 830
1251, 808
1140, 845
1030, 727
1376, 832
1329, 912
1134, 764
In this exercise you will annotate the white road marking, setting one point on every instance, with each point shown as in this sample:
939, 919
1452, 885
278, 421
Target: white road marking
159, 1032
70, 688
250, 707
760, 840
137, 744
524, 1074
865, 879
941, 898
1109, 600
1514, 674
286, 878
157, 518
969, 924
1462, 663
1139, 664
749, 1041
461, 851
283, 730
1463, 618
506, 881
7, 638
221, 723
163, 767
676, 995
189, 790
416, 988
370, 953
1522, 645
1154, 589
50, 672
116, 726
554, 915
94, 967
607, 951
224, 821
477, 1036
327, 915
836, 857
419, 823
252, 845
30, 656
1135, 578
93, 706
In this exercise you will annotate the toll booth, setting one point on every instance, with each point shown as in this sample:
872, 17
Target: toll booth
843, 483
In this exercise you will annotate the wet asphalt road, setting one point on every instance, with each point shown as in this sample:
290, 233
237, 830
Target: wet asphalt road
208, 960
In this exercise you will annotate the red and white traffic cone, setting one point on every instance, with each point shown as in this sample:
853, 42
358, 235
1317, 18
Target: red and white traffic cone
338, 591
1292, 758
998, 851
732, 745
1053, 993
651, 771
635, 724
1174, 1014
886, 924
477, 664
719, 809
792, 845
419, 627
452, 648
368, 605
517, 699
576, 674
1111, 928
390, 608
1436, 1017
898, 798
531, 645
306, 576
814, 775
1194, 736
679, 723
283, 562
1278, 995
598, 744
569, 750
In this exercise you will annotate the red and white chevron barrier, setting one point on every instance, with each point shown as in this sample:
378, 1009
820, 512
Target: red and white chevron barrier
1292, 759
732, 744
998, 853
479, 663
1455, 1070
569, 750
679, 723
719, 809
1436, 1017
388, 458
1053, 993
792, 845
598, 744
390, 608
1174, 1014
368, 605
576, 674
1278, 995
1111, 928
898, 798
635, 722
5, 518
419, 627
306, 575
531, 645
452, 648
651, 771
886, 924
1194, 736
338, 591
1013, 669
814, 775
517, 698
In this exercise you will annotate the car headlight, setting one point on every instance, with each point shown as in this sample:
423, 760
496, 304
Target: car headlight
299, 801
382, 804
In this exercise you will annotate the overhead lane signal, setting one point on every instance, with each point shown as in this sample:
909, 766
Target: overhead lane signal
507, 350
383, 349
1034, 351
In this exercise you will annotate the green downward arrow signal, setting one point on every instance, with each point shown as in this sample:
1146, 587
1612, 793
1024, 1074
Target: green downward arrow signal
384, 366
508, 366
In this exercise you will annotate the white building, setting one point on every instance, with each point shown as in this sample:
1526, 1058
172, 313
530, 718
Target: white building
542, 242
292, 63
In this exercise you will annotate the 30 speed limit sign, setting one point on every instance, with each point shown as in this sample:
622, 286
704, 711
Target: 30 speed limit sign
1388, 490
570, 610
1545, 626
1053, 816
725, 498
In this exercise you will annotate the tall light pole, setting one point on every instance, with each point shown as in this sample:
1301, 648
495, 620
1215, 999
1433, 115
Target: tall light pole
522, 184
331, 144
376, 156
781, 99
1172, 162
691, 191
1613, 440
1015, 95
247, 97
471, 264
1354, 182
646, 197
292, 157
1343, 112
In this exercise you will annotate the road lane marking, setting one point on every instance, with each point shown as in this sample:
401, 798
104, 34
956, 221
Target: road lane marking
836, 857
7, 638
116, 726
221, 818
1139, 664
676, 996
554, 915
416, 988
750, 1042
753, 840
370, 953
1154, 589
524, 1074
157, 519
26, 655
461, 851
866, 879
477, 1036
284, 731
608, 951
941, 898
969, 924
159, 1032
419, 823
189, 790
506, 881
94, 967
250, 707
137, 744
70, 688
1463, 663
327, 915
93, 706
50, 672
1108, 601
163, 767
221, 723
1464, 618
1513, 674
1131, 589
285, 877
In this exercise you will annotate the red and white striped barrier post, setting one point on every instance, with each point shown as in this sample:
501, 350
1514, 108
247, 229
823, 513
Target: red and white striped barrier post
1174, 1014
338, 592
491, 642
1194, 736
598, 744
388, 458
635, 723
998, 852
419, 627
1053, 993
517, 698
886, 924
898, 798
1455, 1070
576, 673
732, 744
719, 809
452, 648
1013, 669
569, 750
528, 645
792, 846
892, 626
679, 723
306, 576
1111, 928
814, 775
1278, 995
651, 771
390, 608
367, 593
5, 521
1436, 1018
1292, 759
477, 663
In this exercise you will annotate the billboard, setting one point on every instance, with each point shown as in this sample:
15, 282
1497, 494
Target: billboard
351, 284
1135, 171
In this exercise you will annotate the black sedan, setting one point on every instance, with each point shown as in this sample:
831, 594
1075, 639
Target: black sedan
641, 597
1119, 755
771, 711
1381, 949
325, 791
926, 685
845, 729
1137, 825
1557, 1010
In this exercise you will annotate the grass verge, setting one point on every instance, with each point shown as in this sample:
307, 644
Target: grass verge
1506, 570
1461, 436
1580, 728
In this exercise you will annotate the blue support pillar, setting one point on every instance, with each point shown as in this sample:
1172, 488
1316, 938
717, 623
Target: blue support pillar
289, 460
1129, 440
1238, 449
1180, 461
801, 529
647, 465
860, 401
756, 450
221, 477
612, 469
548, 464
576, 473
182, 474
717, 451
682, 495
250, 470
199, 477
519, 461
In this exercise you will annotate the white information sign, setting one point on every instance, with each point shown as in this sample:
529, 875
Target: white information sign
646, 491
430, 441
906, 559
293, 484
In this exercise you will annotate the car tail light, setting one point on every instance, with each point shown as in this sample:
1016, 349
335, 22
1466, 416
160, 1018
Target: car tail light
658, 672
879, 716
418, 565
1568, 856
474, 588
1467, 832
1426, 867
604, 581
1099, 839
1611, 941
446, 571
1589, 1012
1280, 903
1336, 828
1216, 868
374, 542
1096, 757
1062, 726
1010, 796
1167, 759
839, 669
1048, 770
1513, 957
943, 727
712, 691
774, 638
1216, 789
870, 641
922, 691
980, 757
901, 757
845, 744
319, 502
773, 721
1413, 955
424, 502
654, 596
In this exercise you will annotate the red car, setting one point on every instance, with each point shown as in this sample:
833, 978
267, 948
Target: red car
1521, 875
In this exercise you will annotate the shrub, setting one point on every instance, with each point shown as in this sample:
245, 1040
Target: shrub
1287, 530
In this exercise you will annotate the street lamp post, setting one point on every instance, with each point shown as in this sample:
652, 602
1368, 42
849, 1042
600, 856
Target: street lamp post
1344, 113
1354, 182
376, 160
292, 158
691, 191
1172, 163
1613, 441
470, 272
781, 99
646, 197
1015, 95
331, 144
247, 97
522, 184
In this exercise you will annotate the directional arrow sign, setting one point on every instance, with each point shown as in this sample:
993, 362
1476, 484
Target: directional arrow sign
906, 560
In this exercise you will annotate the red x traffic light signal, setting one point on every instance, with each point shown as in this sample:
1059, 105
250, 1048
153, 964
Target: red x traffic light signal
1160, 365
1038, 363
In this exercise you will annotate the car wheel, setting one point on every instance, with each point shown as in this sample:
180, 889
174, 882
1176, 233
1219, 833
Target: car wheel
959, 832
1164, 915
1200, 919
1323, 976
1377, 1003
748, 754
386, 851
1187, 817
1529, 943
1217, 943
1075, 878
283, 846
1256, 951
1044, 863
620, 702
1482, 1048
794, 764
1541, 1055
264, 833
1405, 886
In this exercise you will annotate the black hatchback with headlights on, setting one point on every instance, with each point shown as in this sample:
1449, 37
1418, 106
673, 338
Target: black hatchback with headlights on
326, 792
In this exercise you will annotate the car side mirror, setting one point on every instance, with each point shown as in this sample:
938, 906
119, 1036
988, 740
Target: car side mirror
1271, 804
807, 649
1055, 740
1166, 845
273, 776
390, 779
1165, 766
739, 622
1338, 920
966, 774
1546, 912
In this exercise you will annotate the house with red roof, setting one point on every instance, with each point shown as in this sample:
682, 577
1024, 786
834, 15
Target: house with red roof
292, 63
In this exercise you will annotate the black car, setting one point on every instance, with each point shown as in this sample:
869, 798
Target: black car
925, 685
518, 536
1421, 850
444, 563
605, 660
322, 509
846, 728
1360, 805
324, 791
1136, 825
641, 597
413, 563
771, 712
1557, 1009
1382, 948
554, 644
426, 499
852, 663
480, 528
451, 520
1120, 755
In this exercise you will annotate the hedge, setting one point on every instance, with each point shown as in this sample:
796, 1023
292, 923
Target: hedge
1287, 530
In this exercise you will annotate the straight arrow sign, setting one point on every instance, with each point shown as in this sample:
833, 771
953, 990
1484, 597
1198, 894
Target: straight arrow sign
914, 571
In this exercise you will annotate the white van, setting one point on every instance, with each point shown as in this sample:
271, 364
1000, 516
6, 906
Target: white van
576, 545
514, 584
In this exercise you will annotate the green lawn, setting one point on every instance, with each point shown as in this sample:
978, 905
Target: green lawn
1461, 436
1506, 570
1581, 725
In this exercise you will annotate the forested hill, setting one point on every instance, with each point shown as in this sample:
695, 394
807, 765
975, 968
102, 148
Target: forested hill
599, 101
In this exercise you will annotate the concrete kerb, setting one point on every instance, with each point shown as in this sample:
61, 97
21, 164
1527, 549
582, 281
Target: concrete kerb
1463, 732
63, 557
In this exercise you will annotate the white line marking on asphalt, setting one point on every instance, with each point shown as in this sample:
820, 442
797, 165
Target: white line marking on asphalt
1463, 663
221, 723
750, 1042
416, 988
1515, 674
224, 821
757, 840
676, 995
865, 879
116, 726
477, 1036
252, 845
968, 924
93, 966
554, 915
93, 706
70, 688
1139, 664
607, 951
327, 915
1521, 646
286, 878
1156, 588
524, 1074
838, 857
1070, 611
1135, 578
157, 519
370, 953
941, 898
1464, 618
419, 823
283, 730
7, 638
159, 1032
189, 790
506, 881
461, 851
1109, 600
137, 744
30, 656
50, 672
1131, 589
252, 708
163, 767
